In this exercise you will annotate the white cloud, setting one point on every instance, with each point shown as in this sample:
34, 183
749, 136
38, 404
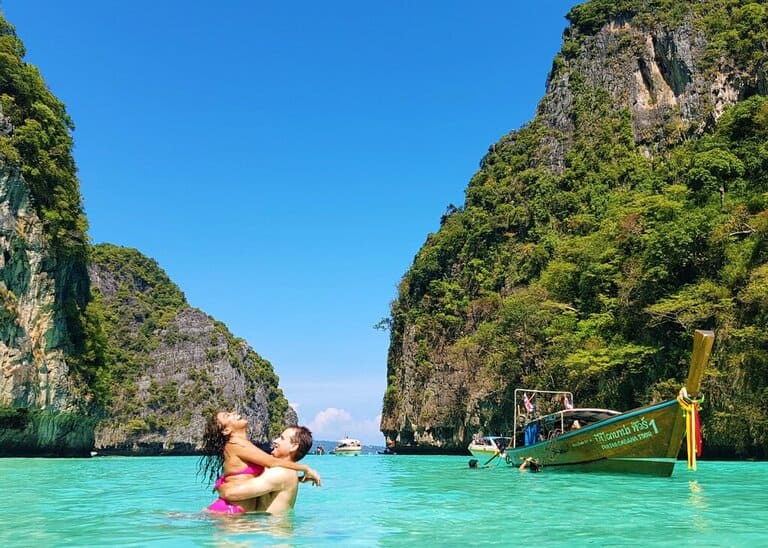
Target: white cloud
330, 418
333, 423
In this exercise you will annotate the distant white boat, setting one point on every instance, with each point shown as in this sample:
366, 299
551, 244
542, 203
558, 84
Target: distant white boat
348, 446
487, 447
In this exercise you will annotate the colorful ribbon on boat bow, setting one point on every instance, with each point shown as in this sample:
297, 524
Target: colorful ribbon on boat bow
692, 426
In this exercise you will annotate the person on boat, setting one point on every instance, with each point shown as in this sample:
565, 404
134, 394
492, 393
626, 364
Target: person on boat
228, 452
575, 425
276, 489
530, 464
567, 403
532, 433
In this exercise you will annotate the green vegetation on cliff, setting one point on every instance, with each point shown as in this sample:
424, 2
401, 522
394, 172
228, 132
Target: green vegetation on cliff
593, 278
144, 300
35, 140
143, 317
131, 344
736, 29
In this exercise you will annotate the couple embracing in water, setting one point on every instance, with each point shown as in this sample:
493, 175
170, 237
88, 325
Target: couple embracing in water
249, 479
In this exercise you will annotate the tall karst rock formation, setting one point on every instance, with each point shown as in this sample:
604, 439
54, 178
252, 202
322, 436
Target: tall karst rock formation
172, 366
46, 407
99, 350
594, 240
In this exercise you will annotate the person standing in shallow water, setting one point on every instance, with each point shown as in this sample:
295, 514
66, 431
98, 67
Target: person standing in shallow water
228, 452
276, 489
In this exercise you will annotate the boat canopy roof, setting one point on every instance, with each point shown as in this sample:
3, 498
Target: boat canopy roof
551, 408
349, 441
583, 414
491, 439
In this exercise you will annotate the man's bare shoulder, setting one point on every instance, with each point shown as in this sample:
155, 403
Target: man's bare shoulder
278, 472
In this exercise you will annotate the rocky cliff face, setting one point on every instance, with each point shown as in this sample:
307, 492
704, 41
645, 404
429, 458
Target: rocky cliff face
44, 408
175, 366
673, 88
168, 366
133, 357
662, 75
45, 400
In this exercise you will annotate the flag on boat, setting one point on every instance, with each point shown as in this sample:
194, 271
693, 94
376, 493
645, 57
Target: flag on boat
527, 403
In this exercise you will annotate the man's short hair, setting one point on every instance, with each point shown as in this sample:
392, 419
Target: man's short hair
303, 437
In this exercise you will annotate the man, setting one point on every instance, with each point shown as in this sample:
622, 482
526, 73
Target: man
275, 490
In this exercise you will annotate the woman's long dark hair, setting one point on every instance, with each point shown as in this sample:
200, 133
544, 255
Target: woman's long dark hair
211, 464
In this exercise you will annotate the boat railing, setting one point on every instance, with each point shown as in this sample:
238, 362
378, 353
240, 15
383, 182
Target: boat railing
529, 408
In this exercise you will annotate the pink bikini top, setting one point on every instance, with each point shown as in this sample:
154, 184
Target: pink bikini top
253, 469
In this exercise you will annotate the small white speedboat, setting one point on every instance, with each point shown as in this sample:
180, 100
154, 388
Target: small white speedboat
484, 448
348, 446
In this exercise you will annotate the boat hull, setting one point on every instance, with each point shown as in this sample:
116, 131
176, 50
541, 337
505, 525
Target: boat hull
483, 454
487, 447
642, 441
347, 452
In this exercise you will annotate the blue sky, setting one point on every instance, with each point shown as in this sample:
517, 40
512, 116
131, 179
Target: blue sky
284, 161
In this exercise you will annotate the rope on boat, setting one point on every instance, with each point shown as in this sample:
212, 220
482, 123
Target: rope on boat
692, 425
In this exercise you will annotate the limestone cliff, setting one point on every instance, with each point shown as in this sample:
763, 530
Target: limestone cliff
43, 412
170, 365
596, 237
120, 349
665, 76
45, 403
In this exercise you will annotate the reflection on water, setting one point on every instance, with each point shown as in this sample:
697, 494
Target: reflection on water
697, 498
276, 526
699, 506
236, 529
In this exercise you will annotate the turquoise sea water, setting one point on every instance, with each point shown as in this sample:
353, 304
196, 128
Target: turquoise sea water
377, 500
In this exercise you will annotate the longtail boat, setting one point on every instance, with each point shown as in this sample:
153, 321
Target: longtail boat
645, 440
